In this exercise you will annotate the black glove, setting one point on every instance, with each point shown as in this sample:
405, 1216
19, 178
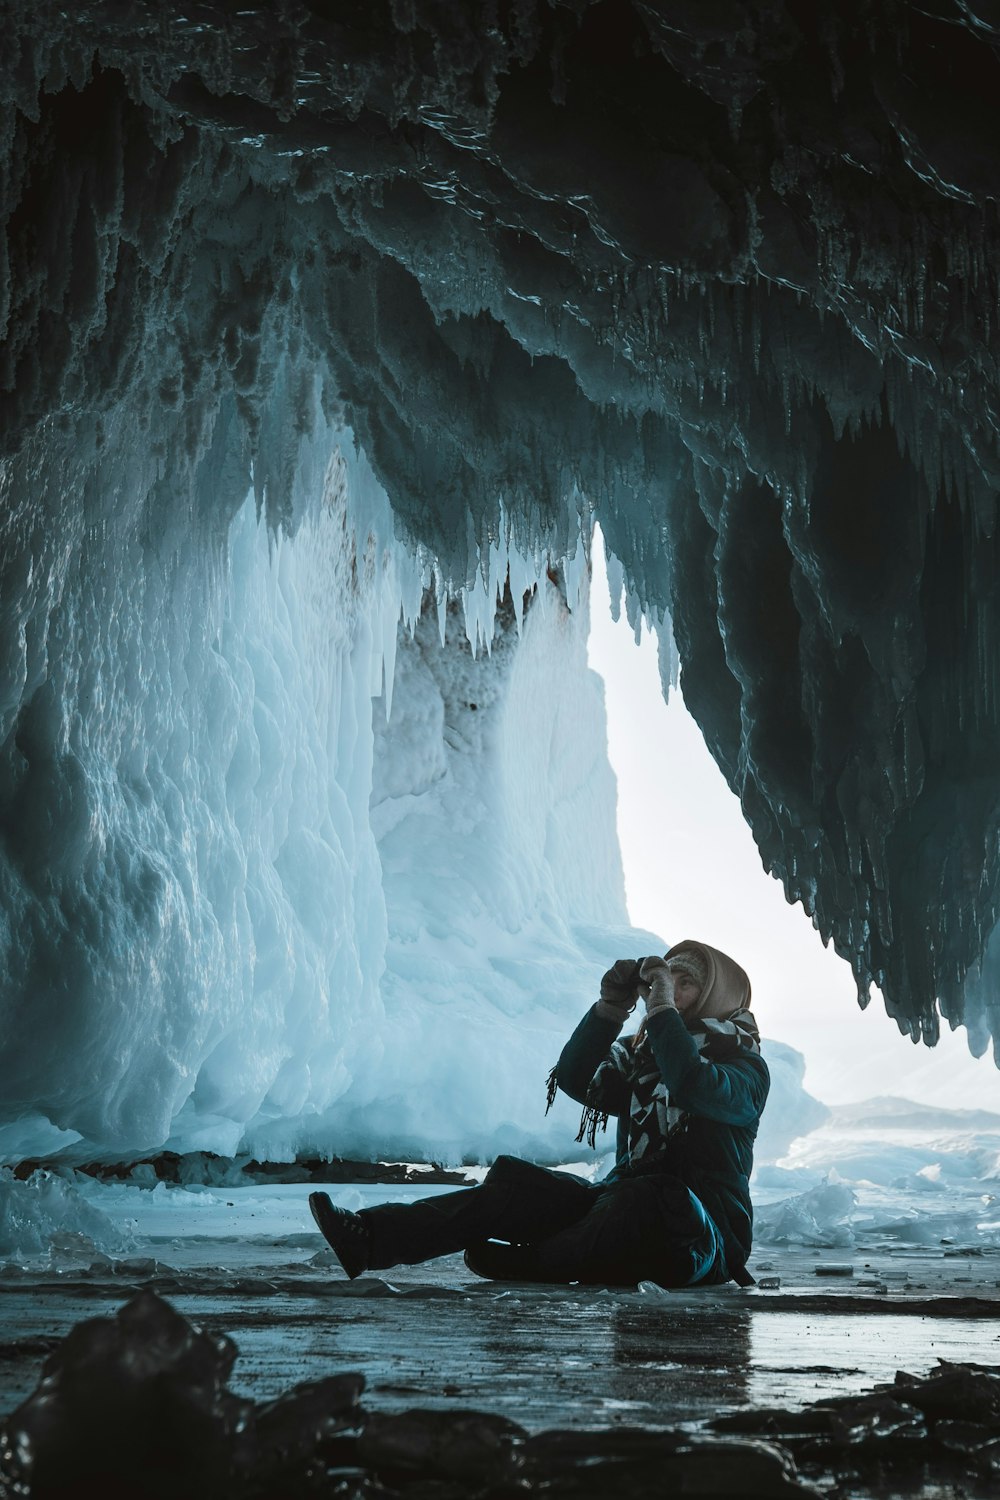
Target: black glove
620, 985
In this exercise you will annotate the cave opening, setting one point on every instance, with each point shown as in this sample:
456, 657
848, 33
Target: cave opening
329, 334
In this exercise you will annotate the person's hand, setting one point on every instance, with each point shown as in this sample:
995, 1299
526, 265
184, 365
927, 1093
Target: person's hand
657, 984
620, 986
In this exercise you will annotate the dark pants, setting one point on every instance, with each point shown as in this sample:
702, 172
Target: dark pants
649, 1228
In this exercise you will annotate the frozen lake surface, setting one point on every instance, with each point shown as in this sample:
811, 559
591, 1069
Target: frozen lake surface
248, 1261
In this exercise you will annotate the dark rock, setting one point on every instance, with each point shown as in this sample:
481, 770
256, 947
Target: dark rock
880, 1416
632, 1448
468, 1446
812, 1421
289, 1441
208, 1167
736, 1469
137, 1406
133, 1406
965, 1437
953, 1391
948, 1418
639, 1464
846, 1420
339, 1170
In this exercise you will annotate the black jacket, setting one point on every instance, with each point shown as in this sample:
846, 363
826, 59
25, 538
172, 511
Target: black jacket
713, 1154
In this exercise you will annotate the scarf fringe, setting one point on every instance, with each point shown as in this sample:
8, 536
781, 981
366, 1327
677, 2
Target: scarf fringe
551, 1089
591, 1121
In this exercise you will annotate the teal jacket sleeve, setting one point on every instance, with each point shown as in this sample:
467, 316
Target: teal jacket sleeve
583, 1054
731, 1092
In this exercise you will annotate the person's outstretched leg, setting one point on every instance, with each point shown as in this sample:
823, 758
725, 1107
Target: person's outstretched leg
517, 1201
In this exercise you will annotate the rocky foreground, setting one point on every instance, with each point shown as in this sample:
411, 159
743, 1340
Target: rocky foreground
138, 1406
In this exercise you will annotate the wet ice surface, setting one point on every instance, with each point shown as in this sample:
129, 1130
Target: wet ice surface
249, 1262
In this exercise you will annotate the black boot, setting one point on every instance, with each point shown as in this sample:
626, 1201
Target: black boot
345, 1233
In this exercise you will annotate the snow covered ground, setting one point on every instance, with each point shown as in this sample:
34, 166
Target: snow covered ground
887, 1173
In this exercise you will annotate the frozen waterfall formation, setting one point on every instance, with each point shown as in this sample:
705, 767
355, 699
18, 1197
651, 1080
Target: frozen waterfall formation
724, 277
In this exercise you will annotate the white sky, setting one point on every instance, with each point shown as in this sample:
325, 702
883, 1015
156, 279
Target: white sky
692, 870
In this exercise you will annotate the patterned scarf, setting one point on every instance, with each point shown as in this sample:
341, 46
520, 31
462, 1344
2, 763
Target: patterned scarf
629, 1079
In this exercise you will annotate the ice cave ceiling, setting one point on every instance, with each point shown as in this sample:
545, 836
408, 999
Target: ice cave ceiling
723, 274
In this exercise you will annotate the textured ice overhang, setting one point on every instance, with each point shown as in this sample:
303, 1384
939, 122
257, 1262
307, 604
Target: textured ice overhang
723, 276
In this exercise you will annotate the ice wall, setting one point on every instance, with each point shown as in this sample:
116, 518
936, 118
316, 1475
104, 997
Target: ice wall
216, 934
494, 811
187, 870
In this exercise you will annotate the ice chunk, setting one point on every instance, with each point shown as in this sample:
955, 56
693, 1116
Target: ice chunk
45, 1218
821, 1216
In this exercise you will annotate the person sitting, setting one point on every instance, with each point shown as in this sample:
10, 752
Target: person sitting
686, 1089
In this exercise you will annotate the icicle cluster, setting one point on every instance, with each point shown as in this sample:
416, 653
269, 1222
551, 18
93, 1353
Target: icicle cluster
736, 284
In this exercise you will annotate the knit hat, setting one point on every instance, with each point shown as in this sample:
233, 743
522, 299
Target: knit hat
688, 961
725, 988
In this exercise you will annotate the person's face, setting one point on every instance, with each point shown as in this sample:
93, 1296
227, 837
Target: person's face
687, 991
